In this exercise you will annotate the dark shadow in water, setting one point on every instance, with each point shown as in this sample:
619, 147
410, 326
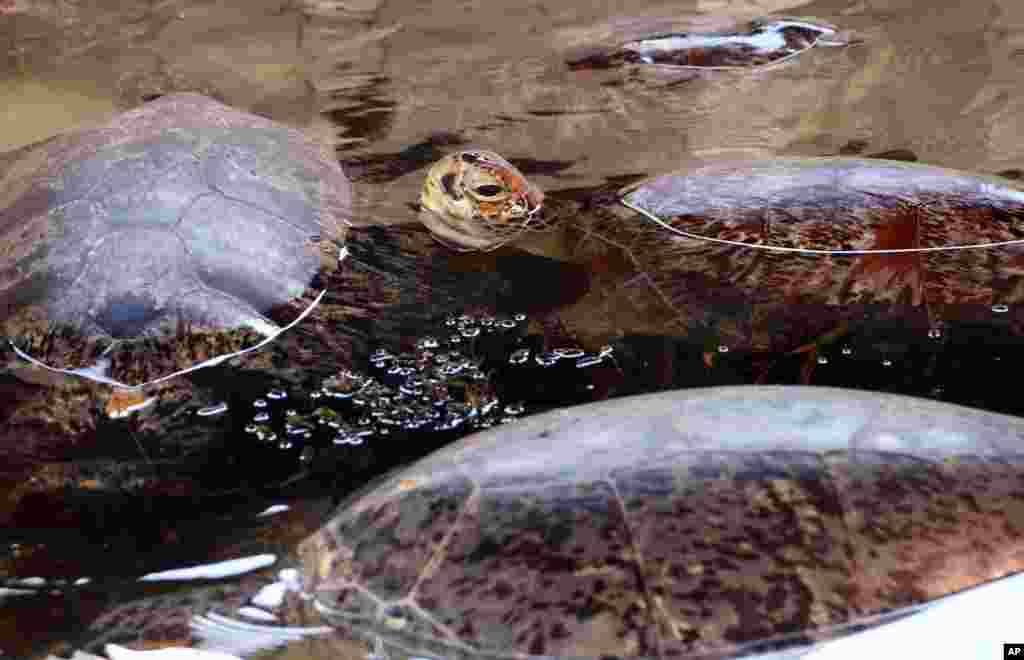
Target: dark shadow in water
384, 168
367, 113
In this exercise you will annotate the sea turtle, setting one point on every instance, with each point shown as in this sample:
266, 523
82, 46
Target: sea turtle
765, 41
711, 523
761, 253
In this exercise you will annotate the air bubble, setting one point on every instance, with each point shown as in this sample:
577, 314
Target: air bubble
277, 395
259, 403
515, 408
298, 431
519, 356
583, 363
285, 444
1000, 308
822, 359
469, 333
215, 409
395, 618
261, 417
546, 359
886, 363
723, 348
507, 324
519, 317
847, 350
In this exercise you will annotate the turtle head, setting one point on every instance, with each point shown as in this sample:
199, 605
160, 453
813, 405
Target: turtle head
477, 200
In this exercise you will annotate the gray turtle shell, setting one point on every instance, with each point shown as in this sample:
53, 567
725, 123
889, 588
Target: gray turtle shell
179, 232
721, 521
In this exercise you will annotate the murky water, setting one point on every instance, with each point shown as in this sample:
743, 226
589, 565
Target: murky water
393, 86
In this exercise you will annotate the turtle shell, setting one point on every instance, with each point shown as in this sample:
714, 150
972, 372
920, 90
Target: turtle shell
833, 230
771, 253
720, 521
764, 41
176, 235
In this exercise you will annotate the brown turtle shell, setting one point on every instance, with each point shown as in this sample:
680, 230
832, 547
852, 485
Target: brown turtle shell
718, 521
764, 250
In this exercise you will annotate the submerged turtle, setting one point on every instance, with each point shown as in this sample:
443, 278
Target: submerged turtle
178, 235
763, 42
643, 528
748, 246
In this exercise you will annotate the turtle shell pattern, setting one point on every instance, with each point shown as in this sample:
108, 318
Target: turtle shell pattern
641, 528
179, 232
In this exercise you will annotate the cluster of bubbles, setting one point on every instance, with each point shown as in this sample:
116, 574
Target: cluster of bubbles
459, 379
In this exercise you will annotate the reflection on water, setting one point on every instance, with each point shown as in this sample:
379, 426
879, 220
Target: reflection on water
392, 87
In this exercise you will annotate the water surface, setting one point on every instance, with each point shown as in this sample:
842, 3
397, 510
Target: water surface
392, 86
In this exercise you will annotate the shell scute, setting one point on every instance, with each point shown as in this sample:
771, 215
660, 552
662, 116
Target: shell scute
417, 522
964, 510
523, 559
254, 165
704, 520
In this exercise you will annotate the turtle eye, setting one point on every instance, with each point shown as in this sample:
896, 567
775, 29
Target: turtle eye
489, 191
448, 183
